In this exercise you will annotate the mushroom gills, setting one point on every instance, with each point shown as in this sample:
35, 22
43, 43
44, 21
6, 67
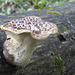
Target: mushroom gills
18, 48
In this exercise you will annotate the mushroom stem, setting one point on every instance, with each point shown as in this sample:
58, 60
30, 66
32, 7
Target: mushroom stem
22, 35
18, 48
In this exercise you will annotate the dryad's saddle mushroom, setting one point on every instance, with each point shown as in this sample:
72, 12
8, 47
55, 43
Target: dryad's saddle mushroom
22, 35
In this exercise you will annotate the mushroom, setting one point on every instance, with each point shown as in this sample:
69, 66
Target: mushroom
22, 36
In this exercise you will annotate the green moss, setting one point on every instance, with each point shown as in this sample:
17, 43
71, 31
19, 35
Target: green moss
41, 9
59, 65
0, 19
63, 27
54, 12
72, 35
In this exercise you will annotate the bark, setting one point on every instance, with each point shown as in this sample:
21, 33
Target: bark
42, 60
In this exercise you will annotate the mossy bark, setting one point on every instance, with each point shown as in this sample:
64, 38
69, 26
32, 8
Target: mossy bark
42, 60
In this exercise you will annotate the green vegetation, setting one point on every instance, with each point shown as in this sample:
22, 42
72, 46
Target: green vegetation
63, 27
59, 65
41, 9
40, 4
55, 12
20, 6
72, 35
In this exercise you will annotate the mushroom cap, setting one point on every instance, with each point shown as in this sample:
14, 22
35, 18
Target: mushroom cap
38, 28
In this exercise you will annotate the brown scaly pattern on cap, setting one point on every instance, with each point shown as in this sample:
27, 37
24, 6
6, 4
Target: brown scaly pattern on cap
38, 28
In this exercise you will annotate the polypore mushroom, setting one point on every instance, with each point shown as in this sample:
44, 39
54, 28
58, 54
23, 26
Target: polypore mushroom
22, 35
